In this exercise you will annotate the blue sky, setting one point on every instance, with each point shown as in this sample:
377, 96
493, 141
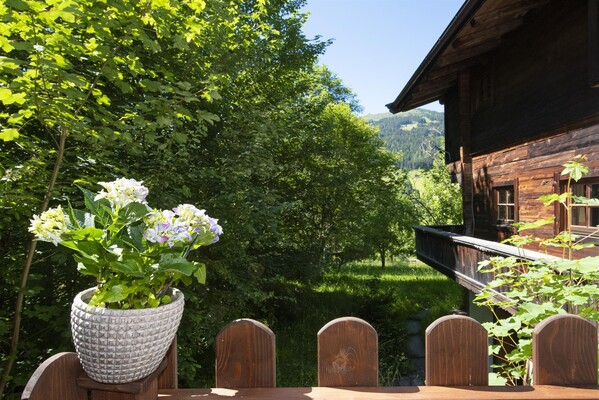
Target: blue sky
378, 44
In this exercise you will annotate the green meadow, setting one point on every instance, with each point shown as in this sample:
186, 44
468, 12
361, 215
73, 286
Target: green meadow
386, 298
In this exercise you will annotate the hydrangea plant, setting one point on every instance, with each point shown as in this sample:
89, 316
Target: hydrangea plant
136, 253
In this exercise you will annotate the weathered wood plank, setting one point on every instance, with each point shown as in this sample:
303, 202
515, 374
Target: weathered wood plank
245, 355
456, 352
56, 379
168, 379
347, 353
552, 42
390, 393
142, 389
564, 351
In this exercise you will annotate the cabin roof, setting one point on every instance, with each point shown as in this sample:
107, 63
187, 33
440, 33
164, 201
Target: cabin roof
477, 28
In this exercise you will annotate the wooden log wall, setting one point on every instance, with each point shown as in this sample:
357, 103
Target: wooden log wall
539, 111
535, 167
540, 80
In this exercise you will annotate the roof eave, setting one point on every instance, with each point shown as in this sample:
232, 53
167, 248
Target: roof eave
464, 15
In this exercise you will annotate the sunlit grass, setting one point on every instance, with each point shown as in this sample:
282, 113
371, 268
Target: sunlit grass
386, 298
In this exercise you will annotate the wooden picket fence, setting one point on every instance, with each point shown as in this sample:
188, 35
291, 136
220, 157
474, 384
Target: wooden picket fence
456, 355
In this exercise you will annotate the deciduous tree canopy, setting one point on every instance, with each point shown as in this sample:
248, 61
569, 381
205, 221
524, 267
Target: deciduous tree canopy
217, 103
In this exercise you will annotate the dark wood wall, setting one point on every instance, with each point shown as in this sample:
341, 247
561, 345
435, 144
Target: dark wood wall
535, 169
536, 83
532, 109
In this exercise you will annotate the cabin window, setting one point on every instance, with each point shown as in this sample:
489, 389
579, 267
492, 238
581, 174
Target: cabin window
505, 205
584, 218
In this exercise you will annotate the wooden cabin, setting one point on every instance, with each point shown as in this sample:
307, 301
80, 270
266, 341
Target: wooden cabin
519, 81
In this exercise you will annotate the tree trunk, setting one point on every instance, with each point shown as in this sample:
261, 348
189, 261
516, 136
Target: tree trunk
14, 344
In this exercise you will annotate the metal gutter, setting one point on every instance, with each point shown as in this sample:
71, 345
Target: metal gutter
464, 15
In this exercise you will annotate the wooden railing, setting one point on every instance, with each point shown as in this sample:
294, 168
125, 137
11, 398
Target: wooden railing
458, 256
564, 356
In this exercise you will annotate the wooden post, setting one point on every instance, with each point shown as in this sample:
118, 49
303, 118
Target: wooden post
142, 389
564, 351
56, 379
593, 42
348, 353
168, 379
456, 352
245, 355
464, 85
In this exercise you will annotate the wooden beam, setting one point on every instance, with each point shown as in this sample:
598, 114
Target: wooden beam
511, 10
483, 35
593, 32
458, 55
464, 86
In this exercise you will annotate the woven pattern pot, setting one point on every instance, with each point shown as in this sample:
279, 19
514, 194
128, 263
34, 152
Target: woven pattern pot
119, 346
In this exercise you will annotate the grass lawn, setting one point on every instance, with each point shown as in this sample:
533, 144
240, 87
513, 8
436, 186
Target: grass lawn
385, 298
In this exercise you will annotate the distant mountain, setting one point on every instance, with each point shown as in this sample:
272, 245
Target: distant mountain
417, 134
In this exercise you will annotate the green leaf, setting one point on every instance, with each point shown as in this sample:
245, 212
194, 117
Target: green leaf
87, 266
92, 249
5, 45
536, 312
135, 237
112, 294
85, 236
585, 200
504, 327
8, 97
586, 265
200, 273
575, 169
9, 134
176, 263
130, 264
100, 208
496, 379
553, 197
153, 301
522, 226
133, 212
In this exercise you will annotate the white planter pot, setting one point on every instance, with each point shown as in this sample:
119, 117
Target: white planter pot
119, 346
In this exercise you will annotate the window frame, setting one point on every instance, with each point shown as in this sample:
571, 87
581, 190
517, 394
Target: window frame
496, 187
582, 230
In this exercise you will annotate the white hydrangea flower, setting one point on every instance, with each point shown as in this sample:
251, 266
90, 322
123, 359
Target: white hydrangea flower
191, 216
50, 225
197, 221
123, 191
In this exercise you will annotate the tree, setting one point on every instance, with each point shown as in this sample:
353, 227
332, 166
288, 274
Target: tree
217, 103
439, 199
341, 171
88, 87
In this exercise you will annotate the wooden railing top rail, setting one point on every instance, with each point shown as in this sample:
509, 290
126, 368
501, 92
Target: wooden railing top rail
388, 393
564, 359
485, 246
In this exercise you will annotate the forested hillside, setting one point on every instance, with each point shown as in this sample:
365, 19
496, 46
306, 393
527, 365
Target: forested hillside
416, 134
